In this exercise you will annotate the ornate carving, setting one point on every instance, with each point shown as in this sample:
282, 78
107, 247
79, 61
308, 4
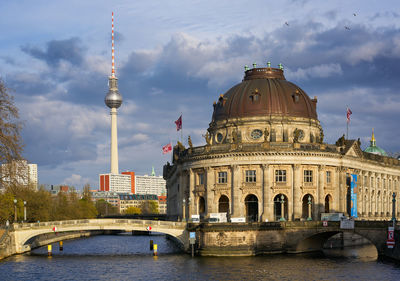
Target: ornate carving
190, 142
207, 137
266, 134
296, 135
341, 141
221, 239
321, 136
234, 136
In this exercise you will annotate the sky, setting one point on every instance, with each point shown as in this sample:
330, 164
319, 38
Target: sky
176, 57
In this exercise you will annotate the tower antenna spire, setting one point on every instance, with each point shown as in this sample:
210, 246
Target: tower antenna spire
112, 46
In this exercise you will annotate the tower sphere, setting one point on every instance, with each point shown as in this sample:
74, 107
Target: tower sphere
113, 98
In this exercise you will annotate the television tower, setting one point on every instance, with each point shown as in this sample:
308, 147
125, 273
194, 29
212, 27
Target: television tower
113, 100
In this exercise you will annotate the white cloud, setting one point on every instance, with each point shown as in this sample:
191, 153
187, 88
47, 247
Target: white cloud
318, 71
75, 180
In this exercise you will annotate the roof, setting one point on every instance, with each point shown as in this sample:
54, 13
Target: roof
264, 92
138, 197
373, 148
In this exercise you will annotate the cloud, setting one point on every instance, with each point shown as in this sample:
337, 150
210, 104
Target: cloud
67, 124
75, 180
317, 71
56, 51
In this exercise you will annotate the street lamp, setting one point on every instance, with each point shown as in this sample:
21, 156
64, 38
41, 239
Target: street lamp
24, 211
15, 210
394, 208
309, 208
183, 206
282, 208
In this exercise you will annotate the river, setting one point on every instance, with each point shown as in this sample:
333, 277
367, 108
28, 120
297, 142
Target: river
126, 257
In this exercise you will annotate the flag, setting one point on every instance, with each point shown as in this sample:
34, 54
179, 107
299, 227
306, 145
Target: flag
167, 148
348, 114
178, 123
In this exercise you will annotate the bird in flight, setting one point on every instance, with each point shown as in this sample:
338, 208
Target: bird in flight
354, 14
346, 27
286, 23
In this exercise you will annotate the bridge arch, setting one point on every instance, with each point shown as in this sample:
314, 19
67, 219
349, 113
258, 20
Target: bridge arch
316, 241
25, 232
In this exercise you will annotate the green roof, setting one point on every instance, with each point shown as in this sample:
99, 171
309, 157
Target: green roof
373, 148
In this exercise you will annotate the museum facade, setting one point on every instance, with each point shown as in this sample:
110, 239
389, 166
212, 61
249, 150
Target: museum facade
265, 160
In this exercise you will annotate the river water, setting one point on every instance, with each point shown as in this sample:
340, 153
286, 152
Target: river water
126, 257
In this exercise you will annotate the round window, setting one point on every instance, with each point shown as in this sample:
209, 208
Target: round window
256, 134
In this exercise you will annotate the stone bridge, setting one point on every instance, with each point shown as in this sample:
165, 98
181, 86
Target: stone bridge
280, 237
218, 239
19, 238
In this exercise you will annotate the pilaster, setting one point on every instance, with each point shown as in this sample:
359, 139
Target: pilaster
235, 195
210, 182
296, 202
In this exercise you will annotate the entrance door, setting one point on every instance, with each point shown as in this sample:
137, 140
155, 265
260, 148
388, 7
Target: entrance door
223, 204
328, 200
251, 203
202, 206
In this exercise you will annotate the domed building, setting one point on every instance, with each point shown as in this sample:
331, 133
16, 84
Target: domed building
265, 160
373, 148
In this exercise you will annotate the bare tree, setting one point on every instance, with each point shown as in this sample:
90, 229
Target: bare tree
10, 139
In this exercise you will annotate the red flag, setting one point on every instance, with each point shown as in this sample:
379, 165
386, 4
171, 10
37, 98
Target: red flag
178, 123
167, 148
348, 114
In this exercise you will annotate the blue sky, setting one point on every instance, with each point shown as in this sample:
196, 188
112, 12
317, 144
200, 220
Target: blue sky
176, 57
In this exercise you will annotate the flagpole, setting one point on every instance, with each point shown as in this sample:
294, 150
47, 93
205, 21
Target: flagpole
181, 129
347, 122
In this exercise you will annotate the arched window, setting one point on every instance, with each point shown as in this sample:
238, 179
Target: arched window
202, 205
328, 203
251, 202
223, 204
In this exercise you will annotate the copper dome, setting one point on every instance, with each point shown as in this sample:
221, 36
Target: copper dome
264, 92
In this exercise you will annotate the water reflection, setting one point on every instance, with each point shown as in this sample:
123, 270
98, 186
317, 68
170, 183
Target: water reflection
364, 253
129, 258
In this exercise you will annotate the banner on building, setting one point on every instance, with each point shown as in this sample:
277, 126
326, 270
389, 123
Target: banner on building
353, 195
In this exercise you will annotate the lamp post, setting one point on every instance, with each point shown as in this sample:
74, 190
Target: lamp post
188, 212
309, 208
24, 211
183, 208
282, 208
15, 210
394, 208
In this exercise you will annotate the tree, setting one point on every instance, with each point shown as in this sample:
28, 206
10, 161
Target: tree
6, 207
149, 207
10, 127
133, 211
104, 208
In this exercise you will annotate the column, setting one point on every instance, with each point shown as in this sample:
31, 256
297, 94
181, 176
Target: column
181, 195
193, 208
268, 211
235, 194
296, 201
210, 181
342, 190
320, 204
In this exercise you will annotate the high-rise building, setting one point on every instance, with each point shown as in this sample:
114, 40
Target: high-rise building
19, 172
119, 183
150, 184
132, 174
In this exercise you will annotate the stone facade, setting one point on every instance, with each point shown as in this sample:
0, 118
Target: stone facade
262, 166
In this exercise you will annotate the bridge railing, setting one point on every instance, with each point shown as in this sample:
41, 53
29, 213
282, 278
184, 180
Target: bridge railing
51, 224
